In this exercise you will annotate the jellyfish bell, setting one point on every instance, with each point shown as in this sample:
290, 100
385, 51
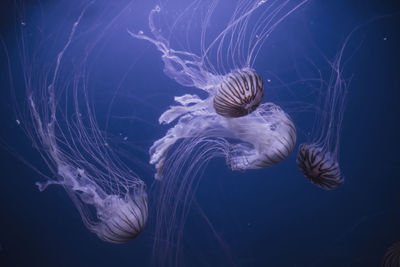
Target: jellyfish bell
239, 93
267, 139
121, 219
319, 166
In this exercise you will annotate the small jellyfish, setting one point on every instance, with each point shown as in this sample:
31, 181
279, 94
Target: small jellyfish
392, 256
318, 159
319, 166
110, 198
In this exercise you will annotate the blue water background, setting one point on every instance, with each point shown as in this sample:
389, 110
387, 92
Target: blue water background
269, 217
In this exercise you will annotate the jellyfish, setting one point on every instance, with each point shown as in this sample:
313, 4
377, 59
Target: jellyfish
110, 197
392, 256
230, 121
318, 159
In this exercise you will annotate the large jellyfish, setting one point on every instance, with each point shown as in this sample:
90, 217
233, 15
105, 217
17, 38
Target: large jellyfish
318, 159
230, 121
110, 198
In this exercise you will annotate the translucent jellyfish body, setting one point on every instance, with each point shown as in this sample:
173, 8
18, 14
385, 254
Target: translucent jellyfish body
267, 135
109, 196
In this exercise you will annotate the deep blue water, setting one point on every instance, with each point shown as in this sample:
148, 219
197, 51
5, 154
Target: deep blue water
269, 217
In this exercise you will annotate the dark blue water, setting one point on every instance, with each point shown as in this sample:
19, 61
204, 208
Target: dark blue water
269, 217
